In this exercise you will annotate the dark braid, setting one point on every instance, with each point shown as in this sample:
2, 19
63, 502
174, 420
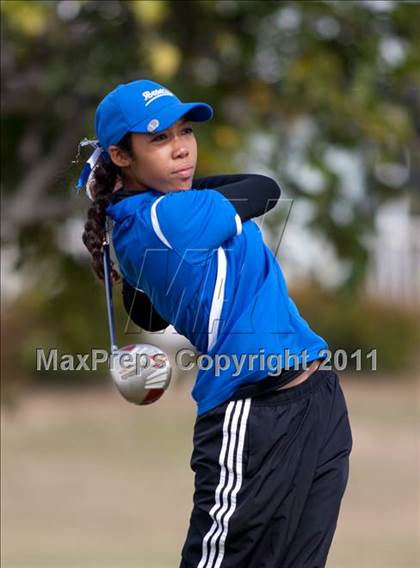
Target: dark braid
103, 182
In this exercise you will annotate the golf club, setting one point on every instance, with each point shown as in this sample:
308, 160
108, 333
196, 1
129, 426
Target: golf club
141, 372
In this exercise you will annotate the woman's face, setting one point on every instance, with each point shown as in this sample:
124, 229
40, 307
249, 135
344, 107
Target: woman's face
165, 161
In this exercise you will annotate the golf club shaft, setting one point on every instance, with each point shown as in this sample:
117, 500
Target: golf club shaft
108, 291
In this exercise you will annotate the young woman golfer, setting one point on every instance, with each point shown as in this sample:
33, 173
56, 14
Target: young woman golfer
271, 449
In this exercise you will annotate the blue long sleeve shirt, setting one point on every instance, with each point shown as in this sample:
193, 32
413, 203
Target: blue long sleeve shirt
216, 281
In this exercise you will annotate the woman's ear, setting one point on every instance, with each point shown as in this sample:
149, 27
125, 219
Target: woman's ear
119, 157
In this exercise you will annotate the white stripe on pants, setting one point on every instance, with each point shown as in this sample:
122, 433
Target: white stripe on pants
230, 460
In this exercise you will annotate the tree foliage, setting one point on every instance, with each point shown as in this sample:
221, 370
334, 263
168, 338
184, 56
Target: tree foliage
295, 85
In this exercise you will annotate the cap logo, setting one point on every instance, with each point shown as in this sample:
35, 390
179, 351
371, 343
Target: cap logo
153, 124
150, 96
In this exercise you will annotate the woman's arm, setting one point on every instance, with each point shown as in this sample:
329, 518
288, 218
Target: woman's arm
140, 309
252, 195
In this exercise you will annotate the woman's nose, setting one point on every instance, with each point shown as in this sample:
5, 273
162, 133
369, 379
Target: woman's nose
180, 150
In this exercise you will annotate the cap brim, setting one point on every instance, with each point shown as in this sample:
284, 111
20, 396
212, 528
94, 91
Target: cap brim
197, 112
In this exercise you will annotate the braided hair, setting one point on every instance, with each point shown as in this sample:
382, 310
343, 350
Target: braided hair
101, 186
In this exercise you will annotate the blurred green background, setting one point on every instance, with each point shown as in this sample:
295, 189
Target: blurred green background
322, 96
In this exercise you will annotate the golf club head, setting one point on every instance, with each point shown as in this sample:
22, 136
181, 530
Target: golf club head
141, 372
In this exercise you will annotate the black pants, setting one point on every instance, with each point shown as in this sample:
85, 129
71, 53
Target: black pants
270, 473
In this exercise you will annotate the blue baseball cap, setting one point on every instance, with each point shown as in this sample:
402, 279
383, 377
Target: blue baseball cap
142, 106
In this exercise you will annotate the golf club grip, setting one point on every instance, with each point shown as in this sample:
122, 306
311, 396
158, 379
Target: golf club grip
108, 293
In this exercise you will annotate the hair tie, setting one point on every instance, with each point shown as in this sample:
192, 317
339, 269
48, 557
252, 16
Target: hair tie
96, 155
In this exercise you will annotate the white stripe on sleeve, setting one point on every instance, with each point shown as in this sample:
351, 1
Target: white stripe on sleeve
155, 223
238, 222
218, 298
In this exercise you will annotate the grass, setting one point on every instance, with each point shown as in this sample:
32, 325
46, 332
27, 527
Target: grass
89, 480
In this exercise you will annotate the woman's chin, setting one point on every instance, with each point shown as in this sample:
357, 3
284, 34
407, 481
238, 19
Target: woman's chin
180, 187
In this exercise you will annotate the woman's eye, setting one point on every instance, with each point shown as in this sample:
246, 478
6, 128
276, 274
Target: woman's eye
159, 137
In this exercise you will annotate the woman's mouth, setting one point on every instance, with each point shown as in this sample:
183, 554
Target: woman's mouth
185, 173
